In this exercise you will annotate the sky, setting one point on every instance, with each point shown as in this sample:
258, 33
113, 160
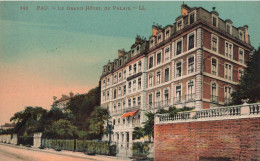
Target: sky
46, 53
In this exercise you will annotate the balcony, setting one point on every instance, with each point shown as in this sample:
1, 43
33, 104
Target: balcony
241, 60
190, 97
131, 108
177, 100
159, 105
213, 99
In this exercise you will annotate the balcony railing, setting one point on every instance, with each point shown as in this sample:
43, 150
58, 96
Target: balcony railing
217, 113
241, 60
132, 108
158, 105
213, 99
190, 97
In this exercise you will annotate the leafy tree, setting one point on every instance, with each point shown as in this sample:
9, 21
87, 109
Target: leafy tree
61, 129
148, 128
96, 122
249, 86
27, 121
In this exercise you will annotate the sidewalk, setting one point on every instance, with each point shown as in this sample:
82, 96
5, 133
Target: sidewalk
70, 153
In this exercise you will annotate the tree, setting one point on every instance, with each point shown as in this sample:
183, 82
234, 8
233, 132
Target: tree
61, 129
96, 122
249, 86
27, 121
148, 128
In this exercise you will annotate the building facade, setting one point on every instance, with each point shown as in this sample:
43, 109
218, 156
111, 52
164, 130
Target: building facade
195, 62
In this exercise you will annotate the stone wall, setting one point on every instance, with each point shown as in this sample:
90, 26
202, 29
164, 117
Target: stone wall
236, 138
8, 138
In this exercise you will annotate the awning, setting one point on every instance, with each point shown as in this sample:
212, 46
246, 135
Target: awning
129, 114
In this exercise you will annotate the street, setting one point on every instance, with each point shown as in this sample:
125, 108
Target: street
16, 153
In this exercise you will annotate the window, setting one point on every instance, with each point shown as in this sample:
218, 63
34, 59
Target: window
151, 62
118, 121
167, 33
241, 35
130, 70
134, 102
150, 100
178, 69
229, 50
179, 25
114, 93
178, 94
124, 88
137, 48
104, 83
191, 41
134, 85
123, 104
158, 77
214, 94
134, 68
108, 95
159, 38
152, 42
139, 101
139, 83
118, 105
214, 66
166, 97
214, 43
108, 81
240, 73
191, 64
104, 95
158, 96
124, 75
119, 91
123, 121
167, 54
150, 80
129, 102
179, 47
227, 95
129, 87
120, 76
108, 68
139, 66
166, 74
229, 28
192, 18
115, 79
241, 56
159, 58
214, 20
228, 71
191, 91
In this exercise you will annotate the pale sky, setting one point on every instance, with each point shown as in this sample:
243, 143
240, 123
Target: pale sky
46, 53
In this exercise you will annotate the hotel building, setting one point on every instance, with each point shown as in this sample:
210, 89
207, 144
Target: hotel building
195, 62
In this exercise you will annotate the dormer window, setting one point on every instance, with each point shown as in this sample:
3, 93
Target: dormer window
167, 33
215, 20
137, 48
179, 25
159, 38
152, 42
241, 35
229, 28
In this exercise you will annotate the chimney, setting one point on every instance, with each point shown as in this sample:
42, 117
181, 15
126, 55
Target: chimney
246, 34
155, 30
121, 53
184, 9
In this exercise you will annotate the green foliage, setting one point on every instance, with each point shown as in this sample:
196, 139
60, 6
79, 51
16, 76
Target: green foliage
249, 86
96, 123
62, 129
138, 133
148, 128
27, 121
140, 148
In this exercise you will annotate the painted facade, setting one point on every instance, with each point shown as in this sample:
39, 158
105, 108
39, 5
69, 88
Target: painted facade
195, 62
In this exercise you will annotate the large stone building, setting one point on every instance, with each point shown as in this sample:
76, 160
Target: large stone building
196, 62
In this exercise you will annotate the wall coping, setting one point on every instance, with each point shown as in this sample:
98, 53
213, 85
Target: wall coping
213, 114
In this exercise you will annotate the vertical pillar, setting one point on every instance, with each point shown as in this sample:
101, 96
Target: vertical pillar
130, 137
144, 84
199, 65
